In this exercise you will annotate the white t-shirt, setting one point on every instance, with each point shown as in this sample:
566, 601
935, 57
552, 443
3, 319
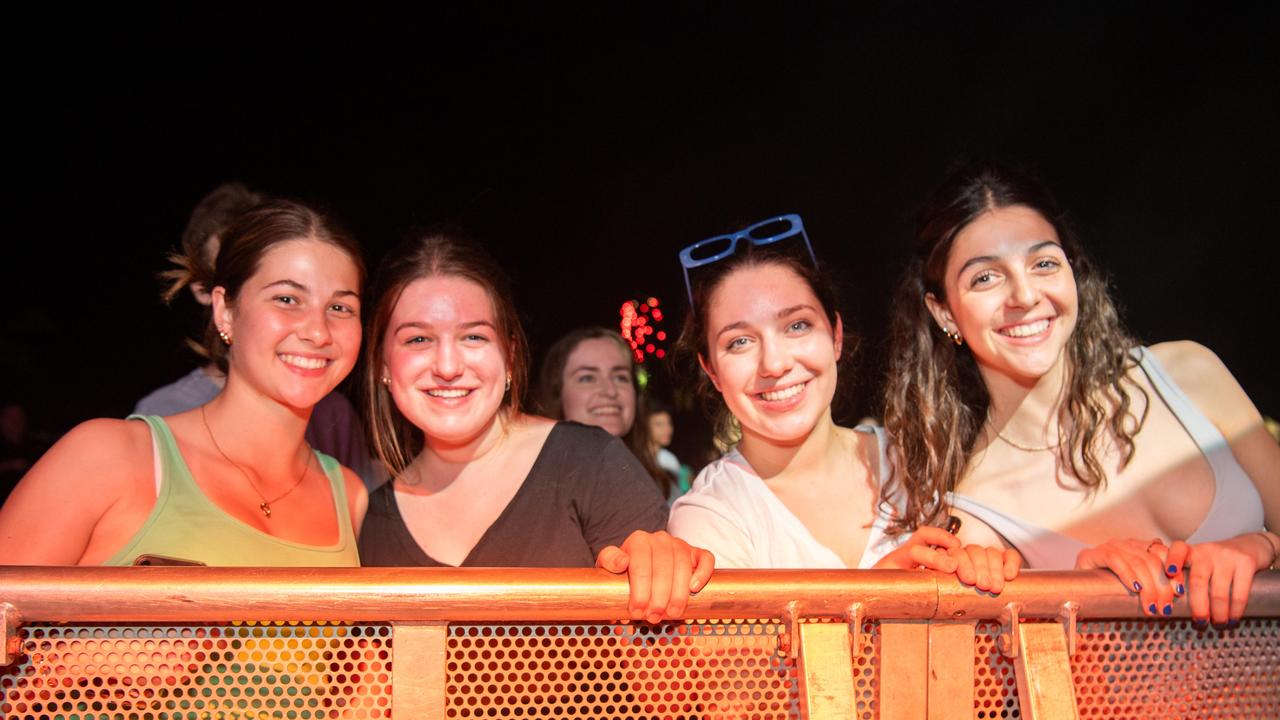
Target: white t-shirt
731, 512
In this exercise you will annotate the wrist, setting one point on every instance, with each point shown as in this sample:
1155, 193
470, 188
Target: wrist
1272, 549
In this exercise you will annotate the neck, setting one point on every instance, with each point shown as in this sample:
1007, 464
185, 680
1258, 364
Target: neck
258, 432
440, 462
811, 454
1026, 410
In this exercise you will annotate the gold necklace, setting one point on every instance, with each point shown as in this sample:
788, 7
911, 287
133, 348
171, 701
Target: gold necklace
1024, 448
265, 505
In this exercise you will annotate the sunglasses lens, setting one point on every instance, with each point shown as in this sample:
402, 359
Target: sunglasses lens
771, 229
710, 248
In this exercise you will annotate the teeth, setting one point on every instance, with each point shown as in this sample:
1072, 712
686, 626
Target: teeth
1027, 330
448, 392
305, 363
783, 394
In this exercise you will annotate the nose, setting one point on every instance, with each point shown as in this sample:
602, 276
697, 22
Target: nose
448, 361
315, 329
774, 360
609, 388
1023, 291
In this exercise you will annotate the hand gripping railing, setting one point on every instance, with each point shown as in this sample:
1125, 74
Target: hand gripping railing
438, 643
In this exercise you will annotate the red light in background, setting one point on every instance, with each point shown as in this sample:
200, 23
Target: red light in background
653, 302
649, 347
662, 335
661, 353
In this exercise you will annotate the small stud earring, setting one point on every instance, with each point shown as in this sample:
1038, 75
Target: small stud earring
386, 380
953, 335
225, 337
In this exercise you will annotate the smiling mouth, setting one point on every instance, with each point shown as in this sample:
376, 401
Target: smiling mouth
306, 363
606, 410
1026, 330
449, 393
784, 394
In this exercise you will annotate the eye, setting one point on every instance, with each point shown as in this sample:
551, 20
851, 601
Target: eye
984, 277
475, 338
585, 378
622, 378
737, 343
342, 309
799, 326
1048, 263
286, 299
415, 340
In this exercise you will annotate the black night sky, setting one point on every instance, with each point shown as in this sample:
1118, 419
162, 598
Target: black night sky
588, 145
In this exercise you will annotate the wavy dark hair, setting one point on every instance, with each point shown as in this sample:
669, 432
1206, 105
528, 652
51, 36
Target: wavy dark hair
693, 335
446, 251
551, 388
935, 400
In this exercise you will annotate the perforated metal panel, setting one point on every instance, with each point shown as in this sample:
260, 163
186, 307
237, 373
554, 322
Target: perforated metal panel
866, 672
1150, 669
696, 669
295, 671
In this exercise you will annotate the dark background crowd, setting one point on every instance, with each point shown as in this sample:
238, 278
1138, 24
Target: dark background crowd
587, 144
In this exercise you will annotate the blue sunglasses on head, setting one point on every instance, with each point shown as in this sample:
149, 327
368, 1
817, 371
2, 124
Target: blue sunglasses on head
719, 247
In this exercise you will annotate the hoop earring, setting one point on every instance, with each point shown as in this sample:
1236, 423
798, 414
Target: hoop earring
225, 337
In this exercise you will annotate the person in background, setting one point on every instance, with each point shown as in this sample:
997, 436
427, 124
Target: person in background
589, 376
1019, 400
232, 482
335, 427
797, 491
661, 429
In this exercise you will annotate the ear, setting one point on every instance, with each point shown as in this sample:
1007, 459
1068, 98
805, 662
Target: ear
221, 310
839, 335
201, 295
711, 374
941, 314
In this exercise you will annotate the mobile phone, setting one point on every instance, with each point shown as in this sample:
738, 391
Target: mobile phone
146, 560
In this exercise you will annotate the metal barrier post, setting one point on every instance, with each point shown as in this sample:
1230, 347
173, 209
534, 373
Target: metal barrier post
418, 680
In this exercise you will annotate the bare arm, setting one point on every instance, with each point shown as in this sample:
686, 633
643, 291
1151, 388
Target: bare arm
357, 498
55, 516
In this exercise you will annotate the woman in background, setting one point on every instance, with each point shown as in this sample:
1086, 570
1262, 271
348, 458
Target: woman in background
589, 376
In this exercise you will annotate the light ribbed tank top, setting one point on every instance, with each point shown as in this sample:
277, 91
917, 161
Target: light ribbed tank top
186, 524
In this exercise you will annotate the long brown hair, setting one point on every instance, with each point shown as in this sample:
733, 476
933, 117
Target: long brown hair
935, 400
551, 387
442, 251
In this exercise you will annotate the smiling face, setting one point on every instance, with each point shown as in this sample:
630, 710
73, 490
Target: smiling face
599, 388
1010, 293
772, 353
446, 363
295, 324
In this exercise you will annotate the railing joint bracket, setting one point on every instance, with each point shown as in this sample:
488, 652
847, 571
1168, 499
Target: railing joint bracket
789, 639
1068, 616
10, 641
1008, 641
855, 615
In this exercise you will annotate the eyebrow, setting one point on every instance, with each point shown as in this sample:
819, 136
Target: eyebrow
427, 326
595, 368
303, 288
992, 258
778, 316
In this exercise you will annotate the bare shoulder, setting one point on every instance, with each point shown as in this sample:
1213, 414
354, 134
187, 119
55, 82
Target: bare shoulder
95, 453
1207, 382
357, 496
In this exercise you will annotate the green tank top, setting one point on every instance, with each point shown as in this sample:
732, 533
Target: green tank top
186, 524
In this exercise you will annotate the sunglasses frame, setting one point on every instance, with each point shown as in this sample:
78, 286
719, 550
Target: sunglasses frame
689, 262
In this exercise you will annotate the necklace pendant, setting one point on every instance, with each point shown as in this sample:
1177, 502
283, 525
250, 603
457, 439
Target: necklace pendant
265, 508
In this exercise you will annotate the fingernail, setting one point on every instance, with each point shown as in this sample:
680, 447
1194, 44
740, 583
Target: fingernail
1168, 610
1171, 570
636, 613
654, 619
1233, 624
1180, 589
1200, 624
1137, 586
1151, 608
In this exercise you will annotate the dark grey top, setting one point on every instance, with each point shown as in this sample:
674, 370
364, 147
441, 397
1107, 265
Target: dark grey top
585, 491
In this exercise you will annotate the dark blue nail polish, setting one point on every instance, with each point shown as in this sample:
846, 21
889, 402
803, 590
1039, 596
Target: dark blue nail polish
1137, 586
1168, 610
1200, 624
1180, 589
1151, 608
1173, 570
1233, 624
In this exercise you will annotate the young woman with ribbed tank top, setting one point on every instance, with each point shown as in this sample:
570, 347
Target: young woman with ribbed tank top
232, 482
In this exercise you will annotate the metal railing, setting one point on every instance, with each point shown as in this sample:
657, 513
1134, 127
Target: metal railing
442, 643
